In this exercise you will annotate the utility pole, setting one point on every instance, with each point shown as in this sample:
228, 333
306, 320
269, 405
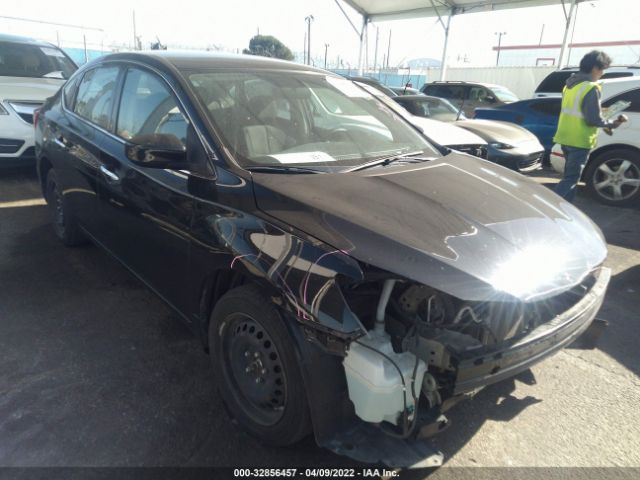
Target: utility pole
304, 48
541, 34
135, 35
86, 55
375, 52
389, 48
309, 19
500, 34
326, 47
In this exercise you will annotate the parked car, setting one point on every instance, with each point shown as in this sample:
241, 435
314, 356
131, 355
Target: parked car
538, 115
553, 83
405, 90
375, 84
507, 144
612, 173
440, 133
30, 71
347, 277
468, 95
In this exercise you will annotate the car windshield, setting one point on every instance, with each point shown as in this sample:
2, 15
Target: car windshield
37, 61
504, 95
268, 118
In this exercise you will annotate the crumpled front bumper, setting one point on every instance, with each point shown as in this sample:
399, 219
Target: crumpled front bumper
475, 371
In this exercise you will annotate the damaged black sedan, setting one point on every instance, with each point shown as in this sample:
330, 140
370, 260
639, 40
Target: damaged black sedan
348, 277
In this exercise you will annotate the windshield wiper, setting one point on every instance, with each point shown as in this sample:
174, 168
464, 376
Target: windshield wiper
282, 169
384, 161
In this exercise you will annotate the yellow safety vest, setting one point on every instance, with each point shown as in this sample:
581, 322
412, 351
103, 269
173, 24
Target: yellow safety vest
573, 130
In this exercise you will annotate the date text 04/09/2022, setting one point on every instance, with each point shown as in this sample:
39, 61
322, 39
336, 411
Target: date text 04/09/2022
314, 472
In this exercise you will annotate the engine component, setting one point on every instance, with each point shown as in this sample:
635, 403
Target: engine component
430, 390
382, 305
436, 350
415, 301
380, 381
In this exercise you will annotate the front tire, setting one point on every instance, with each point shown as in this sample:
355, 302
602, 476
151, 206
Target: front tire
613, 177
64, 224
257, 370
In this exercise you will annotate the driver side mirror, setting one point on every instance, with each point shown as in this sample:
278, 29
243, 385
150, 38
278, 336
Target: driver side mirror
157, 150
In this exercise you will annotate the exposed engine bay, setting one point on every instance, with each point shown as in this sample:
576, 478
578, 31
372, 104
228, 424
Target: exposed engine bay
419, 340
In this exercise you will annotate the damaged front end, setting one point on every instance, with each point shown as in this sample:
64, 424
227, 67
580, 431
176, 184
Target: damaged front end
424, 350
468, 274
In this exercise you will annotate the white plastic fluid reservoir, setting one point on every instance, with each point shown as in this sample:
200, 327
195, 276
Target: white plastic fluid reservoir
374, 384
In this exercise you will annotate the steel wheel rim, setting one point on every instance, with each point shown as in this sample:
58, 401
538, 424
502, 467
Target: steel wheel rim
617, 179
253, 366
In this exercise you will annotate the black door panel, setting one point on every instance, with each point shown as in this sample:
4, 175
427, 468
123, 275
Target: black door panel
145, 213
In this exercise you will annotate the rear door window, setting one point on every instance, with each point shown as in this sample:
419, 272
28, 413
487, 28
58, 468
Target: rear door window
95, 97
452, 92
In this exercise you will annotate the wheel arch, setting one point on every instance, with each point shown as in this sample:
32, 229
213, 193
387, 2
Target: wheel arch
605, 149
43, 166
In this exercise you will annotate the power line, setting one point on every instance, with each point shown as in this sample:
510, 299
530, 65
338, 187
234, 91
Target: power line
51, 23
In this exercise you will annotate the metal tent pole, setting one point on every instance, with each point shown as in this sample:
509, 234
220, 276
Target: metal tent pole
565, 40
443, 64
365, 20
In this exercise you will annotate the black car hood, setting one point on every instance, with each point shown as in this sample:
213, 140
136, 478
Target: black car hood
459, 224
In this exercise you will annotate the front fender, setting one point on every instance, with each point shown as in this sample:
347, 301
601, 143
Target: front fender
304, 271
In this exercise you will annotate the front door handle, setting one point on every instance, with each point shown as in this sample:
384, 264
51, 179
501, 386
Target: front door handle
109, 174
59, 140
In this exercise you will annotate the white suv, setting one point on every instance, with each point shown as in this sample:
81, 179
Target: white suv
612, 174
553, 83
30, 72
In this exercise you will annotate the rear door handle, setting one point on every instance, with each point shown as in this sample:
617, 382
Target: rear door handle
109, 174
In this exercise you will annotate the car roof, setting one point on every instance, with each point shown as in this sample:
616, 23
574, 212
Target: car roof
192, 59
611, 68
365, 80
614, 86
417, 97
463, 82
4, 37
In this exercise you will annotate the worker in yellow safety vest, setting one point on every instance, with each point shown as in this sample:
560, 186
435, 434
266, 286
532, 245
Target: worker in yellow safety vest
580, 118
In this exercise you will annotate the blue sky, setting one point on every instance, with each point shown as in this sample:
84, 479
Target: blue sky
228, 24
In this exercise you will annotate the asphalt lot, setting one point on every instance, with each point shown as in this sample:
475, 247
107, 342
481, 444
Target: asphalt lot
96, 371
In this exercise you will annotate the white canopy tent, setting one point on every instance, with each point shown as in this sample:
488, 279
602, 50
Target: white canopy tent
382, 10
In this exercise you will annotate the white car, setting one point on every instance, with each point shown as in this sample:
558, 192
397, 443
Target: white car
445, 134
30, 72
553, 83
612, 174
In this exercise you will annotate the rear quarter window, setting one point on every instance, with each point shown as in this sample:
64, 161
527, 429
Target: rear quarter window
616, 75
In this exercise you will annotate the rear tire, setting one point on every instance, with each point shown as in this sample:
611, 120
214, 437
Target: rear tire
613, 177
64, 224
258, 373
